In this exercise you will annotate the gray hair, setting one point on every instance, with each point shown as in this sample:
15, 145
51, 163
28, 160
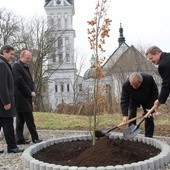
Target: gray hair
136, 77
153, 50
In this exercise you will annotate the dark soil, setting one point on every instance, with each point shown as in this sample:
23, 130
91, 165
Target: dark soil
105, 152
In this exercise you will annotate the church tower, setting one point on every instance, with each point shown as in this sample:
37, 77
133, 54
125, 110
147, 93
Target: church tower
121, 38
62, 78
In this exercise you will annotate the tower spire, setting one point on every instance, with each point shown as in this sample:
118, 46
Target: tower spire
121, 38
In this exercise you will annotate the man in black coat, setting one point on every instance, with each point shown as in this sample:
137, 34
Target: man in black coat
24, 92
162, 59
139, 90
7, 102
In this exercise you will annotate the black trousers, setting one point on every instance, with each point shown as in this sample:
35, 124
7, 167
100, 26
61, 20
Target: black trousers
149, 122
8, 128
21, 119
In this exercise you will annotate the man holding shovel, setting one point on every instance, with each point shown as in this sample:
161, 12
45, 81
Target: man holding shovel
162, 59
139, 90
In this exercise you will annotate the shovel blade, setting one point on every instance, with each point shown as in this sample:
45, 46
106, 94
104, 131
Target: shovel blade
100, 134
131, 132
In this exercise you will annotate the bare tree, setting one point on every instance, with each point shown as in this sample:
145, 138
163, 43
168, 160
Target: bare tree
40, 37
9, 26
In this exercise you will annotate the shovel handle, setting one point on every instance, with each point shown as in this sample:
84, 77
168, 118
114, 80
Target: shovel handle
124, 123
130, 120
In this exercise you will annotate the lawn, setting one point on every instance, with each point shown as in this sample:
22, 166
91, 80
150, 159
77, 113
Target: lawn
56, 121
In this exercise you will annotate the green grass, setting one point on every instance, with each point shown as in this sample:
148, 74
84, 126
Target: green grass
44, 120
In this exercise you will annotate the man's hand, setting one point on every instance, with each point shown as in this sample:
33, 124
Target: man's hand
7, 106
156, 104
151, 111
125, 119
33, 94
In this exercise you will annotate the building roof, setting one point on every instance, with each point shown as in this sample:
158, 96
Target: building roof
129, 61
54, 3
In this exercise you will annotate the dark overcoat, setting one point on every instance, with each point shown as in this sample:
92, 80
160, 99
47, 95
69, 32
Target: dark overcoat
145, 95
23, 87
6, 89
164, 71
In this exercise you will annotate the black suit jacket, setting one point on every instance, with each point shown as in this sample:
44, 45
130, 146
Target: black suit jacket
145, 95
23, 87
164, 71
6, 89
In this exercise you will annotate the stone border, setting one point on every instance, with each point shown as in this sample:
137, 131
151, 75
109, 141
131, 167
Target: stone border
153, 163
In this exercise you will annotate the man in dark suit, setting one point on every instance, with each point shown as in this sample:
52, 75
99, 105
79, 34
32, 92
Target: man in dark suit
139, 89
7, 103
24, 92
162, 59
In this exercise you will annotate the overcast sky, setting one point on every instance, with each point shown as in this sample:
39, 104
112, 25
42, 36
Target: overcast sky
145, 22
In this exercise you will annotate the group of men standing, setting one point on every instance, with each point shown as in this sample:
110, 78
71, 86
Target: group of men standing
16, 93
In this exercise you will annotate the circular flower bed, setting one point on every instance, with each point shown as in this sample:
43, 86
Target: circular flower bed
156, 162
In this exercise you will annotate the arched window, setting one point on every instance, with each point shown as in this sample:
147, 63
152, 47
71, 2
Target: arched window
59, 21
66, 20
56, 88
68, 88
62, 87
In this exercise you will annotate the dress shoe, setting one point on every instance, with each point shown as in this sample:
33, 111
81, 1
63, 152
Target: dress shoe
37, 141
15, 150
1, 151
23, 142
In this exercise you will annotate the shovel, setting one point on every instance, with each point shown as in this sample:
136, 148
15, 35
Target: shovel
133, 130
103, 133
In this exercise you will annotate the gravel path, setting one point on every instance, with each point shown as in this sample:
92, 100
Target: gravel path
13, 161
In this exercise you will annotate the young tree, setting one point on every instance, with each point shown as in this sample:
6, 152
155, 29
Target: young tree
97, 33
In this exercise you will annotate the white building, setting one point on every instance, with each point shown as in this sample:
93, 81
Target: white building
64, 85
60, 84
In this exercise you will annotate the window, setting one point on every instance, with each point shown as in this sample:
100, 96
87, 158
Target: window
60, 58
67, 41
66, 23
108, 88
56, 88
53, 58
60, 42
67, 57
66, 20
59, 21
68, 88
62, 88
80, 87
